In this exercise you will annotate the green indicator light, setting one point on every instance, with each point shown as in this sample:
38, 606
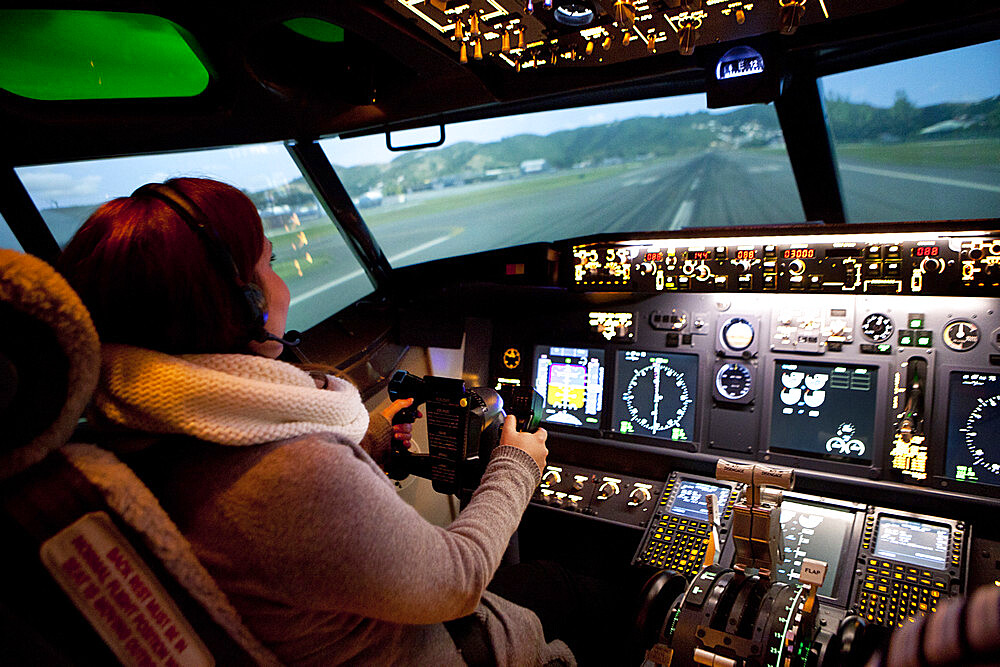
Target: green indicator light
924, 341
917, 323
625, 427
905, 340
884, 347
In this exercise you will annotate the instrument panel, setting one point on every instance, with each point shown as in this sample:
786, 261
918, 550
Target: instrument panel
872, 356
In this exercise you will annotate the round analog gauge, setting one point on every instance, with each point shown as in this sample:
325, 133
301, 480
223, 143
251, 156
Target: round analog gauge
961, 335
737, 334
877, 327
734, 381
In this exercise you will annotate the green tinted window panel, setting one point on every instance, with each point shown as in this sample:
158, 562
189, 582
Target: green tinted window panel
316, 29
85, 55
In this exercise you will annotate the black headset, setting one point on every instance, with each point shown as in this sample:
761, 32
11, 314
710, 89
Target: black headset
250, 294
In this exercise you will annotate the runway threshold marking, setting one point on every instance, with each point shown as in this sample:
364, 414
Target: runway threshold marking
923, 179
358, 272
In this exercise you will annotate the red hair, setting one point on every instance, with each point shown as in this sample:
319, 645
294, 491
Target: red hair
150, 281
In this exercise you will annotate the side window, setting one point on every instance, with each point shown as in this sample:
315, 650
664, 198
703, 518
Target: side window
312, 257
7, 239
919, 139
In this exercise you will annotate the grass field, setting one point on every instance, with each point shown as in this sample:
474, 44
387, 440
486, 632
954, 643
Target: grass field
960, 154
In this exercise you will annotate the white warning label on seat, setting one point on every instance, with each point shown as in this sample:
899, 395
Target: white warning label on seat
119, 595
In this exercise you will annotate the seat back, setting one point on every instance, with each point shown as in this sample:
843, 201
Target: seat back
94, 571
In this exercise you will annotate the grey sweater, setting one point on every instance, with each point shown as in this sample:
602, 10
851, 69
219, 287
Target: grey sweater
327, 565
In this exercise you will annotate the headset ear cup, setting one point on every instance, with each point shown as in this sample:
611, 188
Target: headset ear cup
256, 310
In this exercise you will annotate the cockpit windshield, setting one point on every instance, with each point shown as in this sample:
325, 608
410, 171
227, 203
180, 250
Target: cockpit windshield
650, 165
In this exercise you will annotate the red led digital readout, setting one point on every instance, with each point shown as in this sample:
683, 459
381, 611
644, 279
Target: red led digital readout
926, 251
800, 253
654, 256
699, 254
746, 254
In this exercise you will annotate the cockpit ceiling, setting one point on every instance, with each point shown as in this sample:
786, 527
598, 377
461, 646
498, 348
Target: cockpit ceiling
525, 34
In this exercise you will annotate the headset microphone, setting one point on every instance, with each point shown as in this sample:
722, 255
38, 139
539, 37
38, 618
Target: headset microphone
291, 338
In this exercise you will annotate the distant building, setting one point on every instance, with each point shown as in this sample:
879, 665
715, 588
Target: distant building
534, 166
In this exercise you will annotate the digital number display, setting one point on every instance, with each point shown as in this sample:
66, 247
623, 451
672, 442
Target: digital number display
571, 381
699, 255
812, 531
746, 254
914, 542
689, 499
799, 253
972, 450
655, 394
654, 256
824, 411
926, 251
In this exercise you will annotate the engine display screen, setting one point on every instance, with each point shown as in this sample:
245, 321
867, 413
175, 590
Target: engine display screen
911, 541
813, 531
824, 410
571, 380
689, 498
655, 394
972, 449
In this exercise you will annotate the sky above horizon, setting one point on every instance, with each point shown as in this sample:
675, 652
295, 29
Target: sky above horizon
963, 75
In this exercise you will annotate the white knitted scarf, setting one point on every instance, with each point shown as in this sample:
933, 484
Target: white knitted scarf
229, 399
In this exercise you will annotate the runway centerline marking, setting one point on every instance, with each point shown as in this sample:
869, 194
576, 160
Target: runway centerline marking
683, 215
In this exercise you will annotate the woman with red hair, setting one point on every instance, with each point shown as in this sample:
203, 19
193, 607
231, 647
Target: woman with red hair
272, 474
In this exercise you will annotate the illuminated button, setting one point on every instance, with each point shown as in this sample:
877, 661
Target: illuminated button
770, 282
891, 268
915, 321
770, 251
905, 338
874, 251
892, 252
924, 338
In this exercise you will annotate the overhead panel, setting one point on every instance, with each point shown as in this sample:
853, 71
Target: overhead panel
529, 34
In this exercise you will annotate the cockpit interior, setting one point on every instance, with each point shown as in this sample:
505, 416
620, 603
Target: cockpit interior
745, 253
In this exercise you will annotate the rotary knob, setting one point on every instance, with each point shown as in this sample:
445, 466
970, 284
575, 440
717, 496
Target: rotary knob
702, 272
551, 478
797, 267
638, 497
608, 489
931, 265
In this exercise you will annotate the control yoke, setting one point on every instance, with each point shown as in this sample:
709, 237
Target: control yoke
463, 428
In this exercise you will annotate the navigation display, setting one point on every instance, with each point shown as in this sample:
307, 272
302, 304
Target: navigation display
824, 410
972, 448
571, 380
689, 499
813, 531
912, 541
655, 394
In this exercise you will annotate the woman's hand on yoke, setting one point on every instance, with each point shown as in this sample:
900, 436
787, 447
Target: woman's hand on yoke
532, 443
402, 433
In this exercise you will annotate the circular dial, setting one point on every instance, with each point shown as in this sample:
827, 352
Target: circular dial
877, 327
737, 334
961, 335
733, 381
652, 388
979, 432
